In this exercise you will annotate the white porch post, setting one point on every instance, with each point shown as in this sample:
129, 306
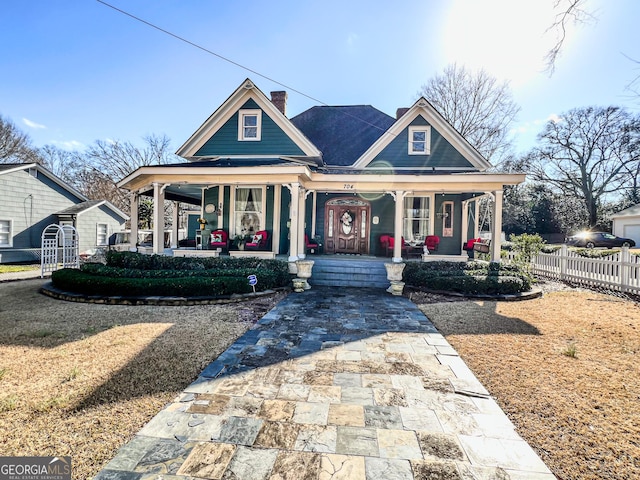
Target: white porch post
397, 230
476, 215
175, 224
277, 215
313, 214
158, 218
302, 210
465, 221
133, 237
496, 233
293, 214
220, 206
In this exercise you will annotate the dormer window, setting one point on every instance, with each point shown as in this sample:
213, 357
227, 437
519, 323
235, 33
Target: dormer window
250, 125
419, 140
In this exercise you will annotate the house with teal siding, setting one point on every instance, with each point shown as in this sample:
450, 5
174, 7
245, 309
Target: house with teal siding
32, 198
348, 179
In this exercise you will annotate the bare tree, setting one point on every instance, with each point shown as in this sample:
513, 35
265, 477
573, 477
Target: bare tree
15, 145
567, 12
477, 105
587, 154
62, 163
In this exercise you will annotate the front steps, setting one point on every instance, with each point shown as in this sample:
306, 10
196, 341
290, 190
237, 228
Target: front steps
349, 272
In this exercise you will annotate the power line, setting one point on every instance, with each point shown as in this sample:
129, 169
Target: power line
222, 57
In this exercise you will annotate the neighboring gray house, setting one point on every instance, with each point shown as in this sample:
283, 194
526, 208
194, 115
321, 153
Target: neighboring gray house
31, 198
626, 223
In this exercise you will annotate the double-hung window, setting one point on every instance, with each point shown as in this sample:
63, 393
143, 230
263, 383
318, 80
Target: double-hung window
249, 210
6, 237
250, 125
102, 230
420, 140
416, 219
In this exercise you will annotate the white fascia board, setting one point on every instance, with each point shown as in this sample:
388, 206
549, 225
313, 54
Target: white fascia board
235, 172
462, 178
17, 168
109, 205
423, 108
238, 98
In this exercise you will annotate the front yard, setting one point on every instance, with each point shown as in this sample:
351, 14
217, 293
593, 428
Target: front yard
82, 379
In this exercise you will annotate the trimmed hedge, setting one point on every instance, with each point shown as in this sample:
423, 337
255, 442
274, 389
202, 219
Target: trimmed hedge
475, 277
72, 280
133, 274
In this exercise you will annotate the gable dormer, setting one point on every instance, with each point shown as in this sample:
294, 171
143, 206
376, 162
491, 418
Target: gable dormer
422, 140
247, 124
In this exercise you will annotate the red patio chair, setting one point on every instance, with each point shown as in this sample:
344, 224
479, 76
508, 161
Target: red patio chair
432, 242
310, 245
219, 239
258, 242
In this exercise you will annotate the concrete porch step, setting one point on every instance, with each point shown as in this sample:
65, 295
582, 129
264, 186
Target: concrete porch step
349, 272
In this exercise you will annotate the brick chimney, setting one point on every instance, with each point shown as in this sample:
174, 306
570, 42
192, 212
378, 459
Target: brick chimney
401, 111
279, 99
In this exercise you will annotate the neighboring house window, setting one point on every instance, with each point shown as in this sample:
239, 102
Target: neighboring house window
249, 210
416, 218
419, 140
250, 125
102, 230
6, 238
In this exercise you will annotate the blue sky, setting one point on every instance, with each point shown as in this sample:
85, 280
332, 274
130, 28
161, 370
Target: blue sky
77, 71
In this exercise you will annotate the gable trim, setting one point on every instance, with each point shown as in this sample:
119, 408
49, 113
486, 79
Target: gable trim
424, 109
247, 90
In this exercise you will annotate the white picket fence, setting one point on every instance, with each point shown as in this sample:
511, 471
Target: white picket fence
620, 271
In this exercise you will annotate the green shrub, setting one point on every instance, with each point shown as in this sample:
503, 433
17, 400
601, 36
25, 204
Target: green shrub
595, 253
133, 274
474, 277
72, 280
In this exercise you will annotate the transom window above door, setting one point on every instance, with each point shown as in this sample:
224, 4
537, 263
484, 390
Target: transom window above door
249, 125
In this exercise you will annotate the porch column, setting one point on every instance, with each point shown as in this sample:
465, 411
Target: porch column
313, 214
465, 222
158, 218
397, 231
293, 216
302, 215
496, 233
133, 237
277, 214
476, 215
175, 224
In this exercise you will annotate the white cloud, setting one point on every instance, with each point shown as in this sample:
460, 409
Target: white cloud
554, 118
69, 144
31, 124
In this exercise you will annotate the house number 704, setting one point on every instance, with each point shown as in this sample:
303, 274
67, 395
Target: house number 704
348, 186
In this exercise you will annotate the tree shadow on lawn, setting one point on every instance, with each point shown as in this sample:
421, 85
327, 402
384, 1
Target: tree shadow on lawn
301, 325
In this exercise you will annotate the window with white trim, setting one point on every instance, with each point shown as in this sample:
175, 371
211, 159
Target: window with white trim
6, 237
102, 233
249, 125
249, 210
416, 219
420, 140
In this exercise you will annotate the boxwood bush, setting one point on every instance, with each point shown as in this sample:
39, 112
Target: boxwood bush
133, 274
475, 277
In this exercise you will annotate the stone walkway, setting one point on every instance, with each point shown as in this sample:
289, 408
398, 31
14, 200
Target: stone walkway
333, 384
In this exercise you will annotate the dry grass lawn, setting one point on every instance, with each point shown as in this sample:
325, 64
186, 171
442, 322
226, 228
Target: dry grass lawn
565, 369
82, 379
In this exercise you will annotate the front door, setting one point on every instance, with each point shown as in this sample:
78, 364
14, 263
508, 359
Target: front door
347, 226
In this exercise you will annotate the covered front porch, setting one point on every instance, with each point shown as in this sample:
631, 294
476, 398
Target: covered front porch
348, 212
